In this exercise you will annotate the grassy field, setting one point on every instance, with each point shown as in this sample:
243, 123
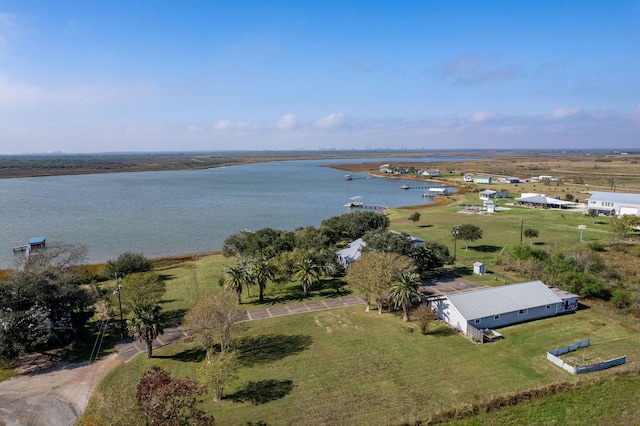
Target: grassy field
346, 366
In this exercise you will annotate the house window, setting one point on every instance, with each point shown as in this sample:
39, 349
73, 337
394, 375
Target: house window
496, 317
548, 306
607, 204
476, 321
522, 311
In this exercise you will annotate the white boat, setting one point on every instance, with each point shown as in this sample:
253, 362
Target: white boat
355, 202
348, 177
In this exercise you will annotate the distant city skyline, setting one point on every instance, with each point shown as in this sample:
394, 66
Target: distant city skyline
89, 77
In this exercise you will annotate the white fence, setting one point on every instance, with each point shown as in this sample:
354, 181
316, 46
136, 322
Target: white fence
553, 355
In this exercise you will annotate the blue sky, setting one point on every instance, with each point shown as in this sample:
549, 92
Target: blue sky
99, 76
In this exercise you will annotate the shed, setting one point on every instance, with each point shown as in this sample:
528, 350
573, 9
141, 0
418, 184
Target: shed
483, 179
542, 201
502, 306
36, 243
479, 268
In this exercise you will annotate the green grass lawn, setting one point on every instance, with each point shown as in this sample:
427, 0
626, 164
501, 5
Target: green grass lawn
501, 230
346, 366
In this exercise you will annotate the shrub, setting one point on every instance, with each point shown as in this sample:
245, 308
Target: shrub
127, 263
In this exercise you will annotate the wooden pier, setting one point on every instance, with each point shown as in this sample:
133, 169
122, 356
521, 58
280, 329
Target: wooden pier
422, 187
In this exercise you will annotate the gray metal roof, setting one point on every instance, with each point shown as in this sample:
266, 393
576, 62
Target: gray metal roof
492, 301
615, 197
542, 199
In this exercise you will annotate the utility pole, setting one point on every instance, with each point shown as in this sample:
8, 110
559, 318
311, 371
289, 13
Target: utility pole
521, 224
455, 241
118, 291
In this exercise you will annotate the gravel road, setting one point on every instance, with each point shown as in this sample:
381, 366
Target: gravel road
54, 397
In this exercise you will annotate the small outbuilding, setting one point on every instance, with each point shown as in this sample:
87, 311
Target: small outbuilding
479, 268
37, 243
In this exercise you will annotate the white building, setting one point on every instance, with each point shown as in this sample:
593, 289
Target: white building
502, 306
614, 203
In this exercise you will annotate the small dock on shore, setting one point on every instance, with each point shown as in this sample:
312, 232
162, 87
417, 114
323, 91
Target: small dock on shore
421, 186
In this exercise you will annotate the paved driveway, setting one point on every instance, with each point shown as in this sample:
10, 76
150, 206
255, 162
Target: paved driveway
448, 284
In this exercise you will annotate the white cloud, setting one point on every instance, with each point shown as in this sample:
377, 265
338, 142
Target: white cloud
564, 112
482, 116
331, 121
230, 125
288, 122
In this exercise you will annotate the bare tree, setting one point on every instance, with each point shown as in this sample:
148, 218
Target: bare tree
213, 319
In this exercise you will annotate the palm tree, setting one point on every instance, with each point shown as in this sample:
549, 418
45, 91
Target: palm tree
235, 278
308, 273
403, 290
145, 324
261, 271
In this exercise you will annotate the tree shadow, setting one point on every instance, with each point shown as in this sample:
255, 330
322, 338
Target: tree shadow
539, 243
188, 355
485, 248
173, 316
333, 288
425, 226
443, 332
262, 391
268, 348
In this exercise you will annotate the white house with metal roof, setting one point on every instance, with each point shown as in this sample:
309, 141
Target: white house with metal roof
614, 203
350, 253
495, 307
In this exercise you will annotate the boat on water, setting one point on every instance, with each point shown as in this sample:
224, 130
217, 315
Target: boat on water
355, 202
404, 187
348, 177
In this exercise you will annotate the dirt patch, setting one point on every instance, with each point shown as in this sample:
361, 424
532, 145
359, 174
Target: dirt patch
56, 396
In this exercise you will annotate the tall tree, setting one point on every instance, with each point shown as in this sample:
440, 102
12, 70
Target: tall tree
469, 232
213, 318
373, 273
234, 278
261, 271
308, 273
168, 401
42, 304
403, 290
140, 288
430, 256
415, 217
145, 324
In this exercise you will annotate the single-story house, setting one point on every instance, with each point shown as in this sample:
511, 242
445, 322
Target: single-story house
487, 194
542, 201
496, 307
512, 180
614, 203
467, 178
385, 168
547, 177
353, 250
431, 173
350, 253
483, 180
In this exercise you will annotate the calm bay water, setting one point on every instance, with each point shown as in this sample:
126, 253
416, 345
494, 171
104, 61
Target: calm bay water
179, 212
